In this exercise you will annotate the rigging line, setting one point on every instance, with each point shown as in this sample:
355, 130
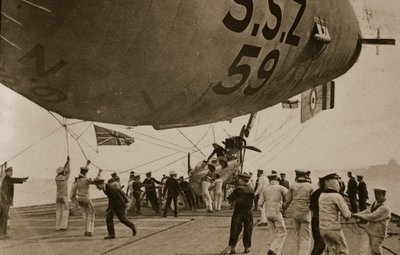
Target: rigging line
76, 137
258, 124
205, 134
76, 122
54, 116
150, 162
290, 116
66, 136
85, 130
72, 132
290, 142
191, 142
267, 129
161, 140
160, 168
49, 134
84, 154
163, 146
213, 131
155, 160
273, 145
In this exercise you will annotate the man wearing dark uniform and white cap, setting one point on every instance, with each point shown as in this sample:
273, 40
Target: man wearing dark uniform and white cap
62, 209
299, 200
331, 206
172, 191
378, 216
242, 198
150, 186
272, 199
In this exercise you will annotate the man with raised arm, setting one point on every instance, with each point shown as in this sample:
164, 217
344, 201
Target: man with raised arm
83, 199
62, 208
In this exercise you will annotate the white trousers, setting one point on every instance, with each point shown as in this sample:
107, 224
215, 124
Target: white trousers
207, 200
303, 236
370, 245
263, 216
87, 213
218, 201
277, 225
62, 212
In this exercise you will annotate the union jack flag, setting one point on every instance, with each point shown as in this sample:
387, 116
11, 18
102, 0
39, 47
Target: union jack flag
106, 136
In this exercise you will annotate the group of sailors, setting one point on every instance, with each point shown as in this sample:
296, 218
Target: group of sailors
313, 211
317, 212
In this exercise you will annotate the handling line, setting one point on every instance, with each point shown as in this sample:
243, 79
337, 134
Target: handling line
146, 236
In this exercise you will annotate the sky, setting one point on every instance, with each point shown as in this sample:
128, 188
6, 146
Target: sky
363, 129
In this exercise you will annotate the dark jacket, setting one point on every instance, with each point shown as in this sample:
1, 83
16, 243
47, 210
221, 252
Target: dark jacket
243, 197
150, 184
116, 197
314, 206
362, 191
352, 187
7, 190
172, 186
284, 183
136, 187
185, 186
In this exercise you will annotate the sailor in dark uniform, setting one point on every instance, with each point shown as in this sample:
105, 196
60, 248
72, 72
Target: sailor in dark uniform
319, 244
117, 202
6, 199
242, 197
352, 192
362, 195
150, 185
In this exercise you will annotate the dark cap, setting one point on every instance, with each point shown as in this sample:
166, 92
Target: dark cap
283, 174
98, 181
274, 172
148, 173
330, 176
114, 175
244, 177
360, 176
8, 169
260, 171
273, 177
136, 177
300, 172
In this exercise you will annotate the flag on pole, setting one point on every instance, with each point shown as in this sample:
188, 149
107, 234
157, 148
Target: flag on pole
107, 136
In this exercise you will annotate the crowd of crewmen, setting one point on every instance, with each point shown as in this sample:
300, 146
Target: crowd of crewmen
314, 212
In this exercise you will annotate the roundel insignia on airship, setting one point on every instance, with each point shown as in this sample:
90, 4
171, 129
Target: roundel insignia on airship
313, 100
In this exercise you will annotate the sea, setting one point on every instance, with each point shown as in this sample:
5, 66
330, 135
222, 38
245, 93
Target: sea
42, 191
